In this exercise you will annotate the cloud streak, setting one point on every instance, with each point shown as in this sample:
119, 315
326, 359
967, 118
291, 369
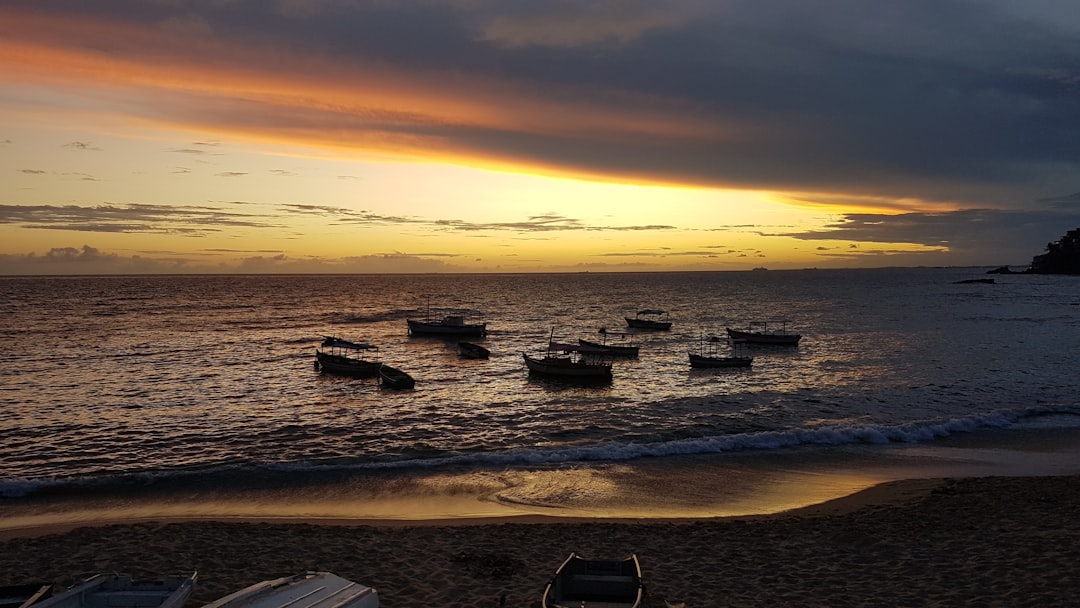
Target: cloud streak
198, 220
137, 218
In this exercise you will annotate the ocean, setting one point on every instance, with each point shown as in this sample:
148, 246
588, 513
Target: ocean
196, 396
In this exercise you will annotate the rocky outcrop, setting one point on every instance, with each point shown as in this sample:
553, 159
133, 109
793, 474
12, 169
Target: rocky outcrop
1062, 257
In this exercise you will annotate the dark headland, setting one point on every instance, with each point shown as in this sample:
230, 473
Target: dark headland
1061, 257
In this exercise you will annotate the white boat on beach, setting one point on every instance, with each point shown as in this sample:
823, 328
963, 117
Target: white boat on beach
345, 358
591, 583
120, 590
24, 595
307, 590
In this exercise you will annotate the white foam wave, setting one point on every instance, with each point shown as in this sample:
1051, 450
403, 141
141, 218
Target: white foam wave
840, 435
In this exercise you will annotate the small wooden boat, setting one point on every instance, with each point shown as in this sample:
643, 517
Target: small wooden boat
568, 366
469, 350
308, 590
344, 358
650, 319
714, 352
108, 590
569, 361
25, 595
392, 377
614, 350
585, 583
459, 323
758, 332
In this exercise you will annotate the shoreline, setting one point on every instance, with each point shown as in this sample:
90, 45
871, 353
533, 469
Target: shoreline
675, 489
1009, 541
889, 492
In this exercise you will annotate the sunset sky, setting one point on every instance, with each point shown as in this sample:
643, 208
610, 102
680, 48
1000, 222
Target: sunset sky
161, 136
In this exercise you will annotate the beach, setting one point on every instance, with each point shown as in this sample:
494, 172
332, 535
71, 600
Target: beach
980, 541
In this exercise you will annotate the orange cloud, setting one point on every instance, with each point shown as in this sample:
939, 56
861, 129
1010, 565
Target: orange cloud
180, 75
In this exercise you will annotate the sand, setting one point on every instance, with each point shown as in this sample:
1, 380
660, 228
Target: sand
994, 541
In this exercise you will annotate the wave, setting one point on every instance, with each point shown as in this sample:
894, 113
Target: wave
289, 473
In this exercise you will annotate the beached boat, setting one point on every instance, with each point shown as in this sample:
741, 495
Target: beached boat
25, 595
651, 319
585, 583
469, 350
614, 350
716, 352
111, 589
344, 358
392, 377
307, 590
758, 332
460, 323
569, 361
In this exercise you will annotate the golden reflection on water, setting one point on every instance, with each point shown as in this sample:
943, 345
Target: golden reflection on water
672, 487
604, 491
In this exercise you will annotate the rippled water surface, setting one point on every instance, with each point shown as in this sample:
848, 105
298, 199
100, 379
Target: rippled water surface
128, 379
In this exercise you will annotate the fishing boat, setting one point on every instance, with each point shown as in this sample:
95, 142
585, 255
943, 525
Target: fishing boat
716, 352
344, 358
459, 323
394, 378
585, 583
652, 319
307, 590
469, 350
614, 350
24, 595
111, 589
569, 361
758, 332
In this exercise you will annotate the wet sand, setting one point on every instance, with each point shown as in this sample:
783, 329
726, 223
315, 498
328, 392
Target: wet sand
984, 541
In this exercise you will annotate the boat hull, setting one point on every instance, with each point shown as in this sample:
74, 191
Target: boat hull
343, 366
753, 337
468, 350
310, 590
25, 595
582, 582
394, 378
566, 367
121, 590
648, 324
703, 361
609, 349
445, 328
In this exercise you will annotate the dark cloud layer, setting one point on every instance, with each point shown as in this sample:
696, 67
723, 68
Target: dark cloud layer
940, 100
971, 237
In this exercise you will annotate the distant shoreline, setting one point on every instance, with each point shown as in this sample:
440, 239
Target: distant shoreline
505, 273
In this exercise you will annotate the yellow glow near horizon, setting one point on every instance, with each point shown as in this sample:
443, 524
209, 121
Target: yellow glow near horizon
304, 204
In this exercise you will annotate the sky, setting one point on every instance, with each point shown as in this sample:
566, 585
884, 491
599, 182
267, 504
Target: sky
418, 136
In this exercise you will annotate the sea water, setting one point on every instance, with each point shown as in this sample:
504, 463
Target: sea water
198, 395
